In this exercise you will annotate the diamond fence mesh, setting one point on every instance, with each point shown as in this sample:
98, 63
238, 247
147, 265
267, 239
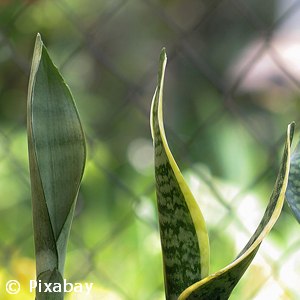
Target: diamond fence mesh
232, 86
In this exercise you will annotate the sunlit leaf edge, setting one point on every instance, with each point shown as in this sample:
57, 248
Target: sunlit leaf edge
253, 245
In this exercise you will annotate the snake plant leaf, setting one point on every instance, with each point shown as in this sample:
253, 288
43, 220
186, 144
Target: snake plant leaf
48, 277
220, 285
184, 238
293, 189
57, 153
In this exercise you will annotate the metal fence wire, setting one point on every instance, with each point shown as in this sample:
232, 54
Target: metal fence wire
232, 86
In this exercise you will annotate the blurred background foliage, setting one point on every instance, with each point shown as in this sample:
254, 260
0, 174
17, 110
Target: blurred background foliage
232, 86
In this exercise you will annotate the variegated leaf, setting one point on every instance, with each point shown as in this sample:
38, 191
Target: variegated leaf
182, 228
219, 286
184, 238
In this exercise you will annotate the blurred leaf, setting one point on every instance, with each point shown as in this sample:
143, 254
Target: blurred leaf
183, 233
56, 157
293, 189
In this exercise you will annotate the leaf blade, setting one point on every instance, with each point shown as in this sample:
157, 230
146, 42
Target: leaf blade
57, 152
221, 284
183, 233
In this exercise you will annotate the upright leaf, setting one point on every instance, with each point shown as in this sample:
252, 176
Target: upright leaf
184, 238
183, 235
56, 158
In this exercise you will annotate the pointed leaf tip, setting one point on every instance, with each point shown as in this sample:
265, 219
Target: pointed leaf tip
163, 53
163, 56
293, 189
162, 67
183, 232
38, 42
292, 128
38, 36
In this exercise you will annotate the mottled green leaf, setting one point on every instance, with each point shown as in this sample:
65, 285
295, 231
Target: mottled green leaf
182, 228
220, 285
293, 189
57, 154
183, 233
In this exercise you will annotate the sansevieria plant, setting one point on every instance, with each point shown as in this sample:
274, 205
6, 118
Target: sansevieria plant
57, 154
184, 238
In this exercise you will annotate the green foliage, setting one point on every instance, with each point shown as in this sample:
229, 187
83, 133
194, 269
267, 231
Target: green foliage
57, 154
183, 233
185, 246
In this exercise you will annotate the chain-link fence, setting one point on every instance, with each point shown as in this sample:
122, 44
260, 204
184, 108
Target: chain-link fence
232, 86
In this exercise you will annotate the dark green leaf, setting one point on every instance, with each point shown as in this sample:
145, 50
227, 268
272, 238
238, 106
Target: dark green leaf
56, 157
183, 233
182, 228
